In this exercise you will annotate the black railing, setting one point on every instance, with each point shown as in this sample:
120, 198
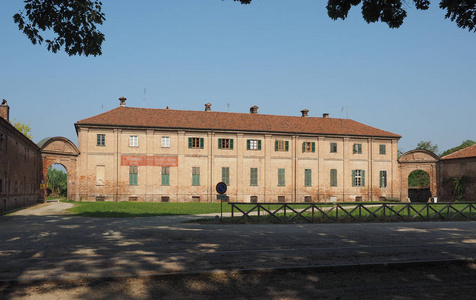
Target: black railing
350, 212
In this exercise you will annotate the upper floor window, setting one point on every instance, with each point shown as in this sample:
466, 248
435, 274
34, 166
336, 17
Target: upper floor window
225, 143
1, 141
165, 142
101, 140
253, 144
195, 143
382, 149
134, 141
358, 177
308, 147
280, 145
357, 148
333, 147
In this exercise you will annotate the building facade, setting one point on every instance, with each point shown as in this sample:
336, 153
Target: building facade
459, 166
20, 162
136, 154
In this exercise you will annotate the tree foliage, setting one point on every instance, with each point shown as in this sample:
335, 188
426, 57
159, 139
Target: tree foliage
427, 145
72, 22
23, 128
393, 12
57, 182
418, 178
463, 145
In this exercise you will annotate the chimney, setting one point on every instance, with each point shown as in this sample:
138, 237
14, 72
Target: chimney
254, 109
304, 112
5, 110
123, 101
208, 107
325, 115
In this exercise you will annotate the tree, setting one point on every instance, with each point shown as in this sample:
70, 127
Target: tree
57, 181
23, 128
418, 178
72, 22
463, 12
427, 145
463, 145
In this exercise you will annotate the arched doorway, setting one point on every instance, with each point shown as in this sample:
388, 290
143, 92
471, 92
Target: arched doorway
57, 180
419, 186
60, 150
422, 161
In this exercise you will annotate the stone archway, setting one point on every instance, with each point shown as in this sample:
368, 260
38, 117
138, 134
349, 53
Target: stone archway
60, 150
417, 160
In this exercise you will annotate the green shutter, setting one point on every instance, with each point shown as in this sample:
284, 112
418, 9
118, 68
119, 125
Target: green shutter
231, 144
248, 142
189, 142
259, 144
363, 177
201, 143
353, 177
287, 146
276, 145
303, 146
313, 147
307, 177
219, 143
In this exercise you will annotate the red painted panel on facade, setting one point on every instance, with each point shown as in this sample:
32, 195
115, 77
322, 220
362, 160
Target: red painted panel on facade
157, 161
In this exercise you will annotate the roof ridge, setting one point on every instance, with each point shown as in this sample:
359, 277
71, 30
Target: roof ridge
448, 156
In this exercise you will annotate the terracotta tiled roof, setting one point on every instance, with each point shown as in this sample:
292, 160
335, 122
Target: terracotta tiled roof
184, 119
463, 153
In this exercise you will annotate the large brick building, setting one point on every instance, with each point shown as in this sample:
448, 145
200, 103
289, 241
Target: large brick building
20, 166
460, 165
178, 156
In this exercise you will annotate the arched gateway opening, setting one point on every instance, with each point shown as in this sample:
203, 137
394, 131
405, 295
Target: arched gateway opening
60, 150
418, 175
57, 182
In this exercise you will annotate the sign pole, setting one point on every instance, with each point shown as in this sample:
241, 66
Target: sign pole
221, 189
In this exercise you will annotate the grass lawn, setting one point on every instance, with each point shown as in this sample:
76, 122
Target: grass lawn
143, 209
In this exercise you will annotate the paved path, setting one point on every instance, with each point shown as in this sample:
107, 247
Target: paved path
56, 245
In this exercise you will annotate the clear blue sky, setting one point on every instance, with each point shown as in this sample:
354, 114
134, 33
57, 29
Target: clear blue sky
417, 81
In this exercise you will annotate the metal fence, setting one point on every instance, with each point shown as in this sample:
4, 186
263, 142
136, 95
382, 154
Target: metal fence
349, 212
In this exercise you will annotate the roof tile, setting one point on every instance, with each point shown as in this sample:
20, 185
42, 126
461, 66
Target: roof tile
463, 153
184, 119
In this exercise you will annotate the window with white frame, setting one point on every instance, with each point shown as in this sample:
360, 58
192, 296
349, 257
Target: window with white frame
133, 141
358, 177
101, 140
357, 148
383, 179
165, 142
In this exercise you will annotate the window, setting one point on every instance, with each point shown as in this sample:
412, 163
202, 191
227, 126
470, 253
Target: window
281, 145
281, 177
358, 178
253, 176
225, 175
333, 177
253, 144
165, 176
307, 177
165, 142
100, 175
333, 147
225, 144
101, 140
133, 174
308, 147
133, 141
195, 143
195, 175
1, 186
382, 149
383, 179
1, 142
357, 148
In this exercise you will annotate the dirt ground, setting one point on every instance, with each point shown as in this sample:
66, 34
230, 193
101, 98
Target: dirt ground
421, 281
163, 258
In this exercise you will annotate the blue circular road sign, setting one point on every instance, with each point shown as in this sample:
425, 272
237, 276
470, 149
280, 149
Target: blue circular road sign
221, 188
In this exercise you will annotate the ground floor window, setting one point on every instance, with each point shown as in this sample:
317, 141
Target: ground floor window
196, 176
133, 175
383, 179
165, 175
358, 177
281, 177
